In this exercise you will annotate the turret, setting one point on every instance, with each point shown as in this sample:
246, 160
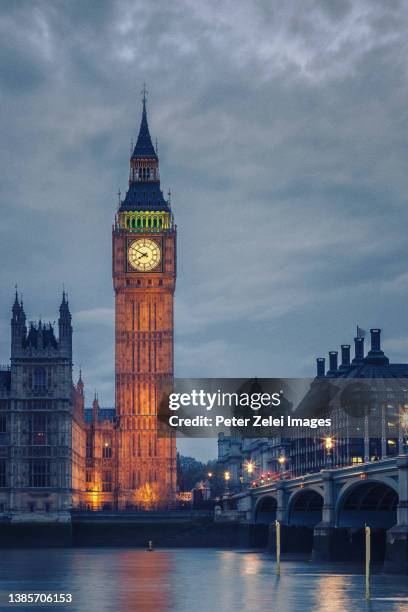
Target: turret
64, 326
80, 384
95, 409
18, 326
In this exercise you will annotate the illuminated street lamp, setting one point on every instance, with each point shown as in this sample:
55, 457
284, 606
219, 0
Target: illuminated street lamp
281, 461
227, 476
404, 427
210, 474
249, 467
328, 445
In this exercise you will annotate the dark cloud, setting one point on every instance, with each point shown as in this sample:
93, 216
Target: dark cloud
282, 134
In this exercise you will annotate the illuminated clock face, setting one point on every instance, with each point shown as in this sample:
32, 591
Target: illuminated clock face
144, 255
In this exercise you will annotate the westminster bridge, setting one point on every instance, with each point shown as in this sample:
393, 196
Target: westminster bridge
325, 512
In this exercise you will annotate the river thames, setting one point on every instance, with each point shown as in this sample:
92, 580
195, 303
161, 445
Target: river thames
182, 580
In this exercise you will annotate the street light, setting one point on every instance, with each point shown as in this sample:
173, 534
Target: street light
250, 467
281, 461
328, 445
210, 474
227, 476
404, 427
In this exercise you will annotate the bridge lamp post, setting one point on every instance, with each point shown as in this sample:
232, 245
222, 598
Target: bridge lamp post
328, 445
249, 467
404, 427
227, 476
281, 461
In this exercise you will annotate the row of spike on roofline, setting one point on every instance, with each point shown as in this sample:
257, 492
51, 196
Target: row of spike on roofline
359, 357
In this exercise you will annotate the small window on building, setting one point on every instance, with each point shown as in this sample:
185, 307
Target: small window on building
106, 481
134, 480
3, 423
39, 379
88, 476
89, 445
107, 447
39, 426
39, 473
3, 473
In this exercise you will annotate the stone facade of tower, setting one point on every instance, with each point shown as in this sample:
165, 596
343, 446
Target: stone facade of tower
144, 277
40, 419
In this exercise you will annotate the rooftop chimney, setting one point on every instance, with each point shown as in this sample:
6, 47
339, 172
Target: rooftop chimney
375, 339
358, 350
345, 355
320, 363
376, 355
333, 360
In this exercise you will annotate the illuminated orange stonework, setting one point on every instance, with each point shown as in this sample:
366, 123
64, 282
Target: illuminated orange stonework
143, 335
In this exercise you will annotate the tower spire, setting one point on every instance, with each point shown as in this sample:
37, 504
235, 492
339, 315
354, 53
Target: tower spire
144, 147
16, 305
144, 93
64, 324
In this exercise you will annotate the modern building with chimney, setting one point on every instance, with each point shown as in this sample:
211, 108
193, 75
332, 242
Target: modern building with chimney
370, 394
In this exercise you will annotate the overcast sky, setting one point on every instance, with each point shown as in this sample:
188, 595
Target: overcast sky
282, 131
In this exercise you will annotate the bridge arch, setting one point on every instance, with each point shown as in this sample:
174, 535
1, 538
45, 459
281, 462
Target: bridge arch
372, 502
265, 509
305, 507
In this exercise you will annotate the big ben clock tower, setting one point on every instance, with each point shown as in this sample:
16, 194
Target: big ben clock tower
144, 278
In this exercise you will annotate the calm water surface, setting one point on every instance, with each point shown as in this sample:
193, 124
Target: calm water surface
185, 580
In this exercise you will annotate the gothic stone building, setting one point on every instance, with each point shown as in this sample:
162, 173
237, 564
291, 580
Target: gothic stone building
54, 454
41, 433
